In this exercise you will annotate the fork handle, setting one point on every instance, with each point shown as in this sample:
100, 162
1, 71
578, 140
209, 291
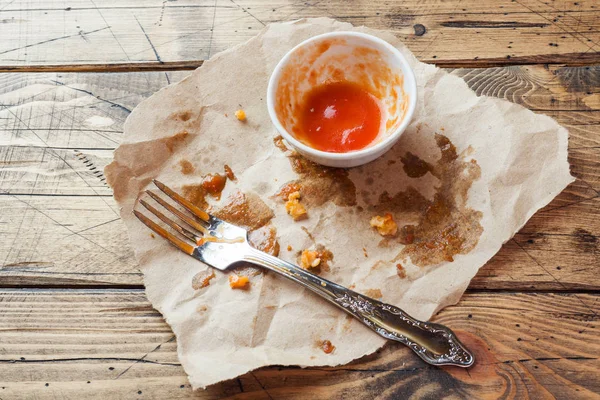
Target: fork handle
434, 343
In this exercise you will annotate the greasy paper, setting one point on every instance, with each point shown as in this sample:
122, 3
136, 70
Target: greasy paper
508, 163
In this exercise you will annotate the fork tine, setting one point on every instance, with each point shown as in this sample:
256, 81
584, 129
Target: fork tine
193, 223
180, 244
185, 232
183, 202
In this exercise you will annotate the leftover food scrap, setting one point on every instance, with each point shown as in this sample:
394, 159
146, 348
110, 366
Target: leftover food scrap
240, 115
238, 282
309, 259
315, 260
386, 226
327, 347
294, 207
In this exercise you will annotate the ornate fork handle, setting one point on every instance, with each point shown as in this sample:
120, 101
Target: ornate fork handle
434, 343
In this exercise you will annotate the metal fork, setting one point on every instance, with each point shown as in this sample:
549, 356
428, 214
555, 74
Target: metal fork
221, 244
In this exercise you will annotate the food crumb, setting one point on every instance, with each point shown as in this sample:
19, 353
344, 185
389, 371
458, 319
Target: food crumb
201, 308
229, 173
401, 271
386, 226
289, 248
294, 207
288, 189
316, 260
238, 282
365, 252
152, 235
327, 347
240, 115
309, 259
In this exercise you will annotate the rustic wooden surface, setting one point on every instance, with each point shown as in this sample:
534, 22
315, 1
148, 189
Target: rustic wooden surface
74, 322
111, 344
453, 32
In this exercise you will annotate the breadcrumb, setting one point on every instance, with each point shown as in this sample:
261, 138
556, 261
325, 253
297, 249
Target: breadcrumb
238, 282
386, 226
240, 115
294, 207
309, 259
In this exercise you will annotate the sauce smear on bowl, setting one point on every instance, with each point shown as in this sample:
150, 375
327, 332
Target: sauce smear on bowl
339, 117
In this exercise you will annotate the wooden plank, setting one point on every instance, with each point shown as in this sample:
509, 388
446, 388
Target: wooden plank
541, 88
451, 33
64, 240
114, 67
80, 344
73, 172
556, 250
58, 221
57, 131
72, 111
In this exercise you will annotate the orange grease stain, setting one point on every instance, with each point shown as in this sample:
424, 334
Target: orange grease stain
339, 117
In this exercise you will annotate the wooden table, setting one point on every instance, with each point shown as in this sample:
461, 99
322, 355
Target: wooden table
74, 321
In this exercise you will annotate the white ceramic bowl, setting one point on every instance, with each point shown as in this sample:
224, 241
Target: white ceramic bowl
343, 56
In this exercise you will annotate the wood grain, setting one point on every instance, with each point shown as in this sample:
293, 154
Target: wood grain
59, 226
114, 67
153, 32
530, 315
64, 240
109, 343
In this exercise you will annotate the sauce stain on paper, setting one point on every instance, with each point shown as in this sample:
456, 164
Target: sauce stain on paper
439, 229
318, 184
444, 226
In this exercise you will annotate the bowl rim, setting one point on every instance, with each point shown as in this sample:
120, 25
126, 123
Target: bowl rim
409, 83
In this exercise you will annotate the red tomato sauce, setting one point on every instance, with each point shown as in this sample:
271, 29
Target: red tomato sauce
339, 117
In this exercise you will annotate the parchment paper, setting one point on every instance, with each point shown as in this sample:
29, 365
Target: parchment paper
222, 333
